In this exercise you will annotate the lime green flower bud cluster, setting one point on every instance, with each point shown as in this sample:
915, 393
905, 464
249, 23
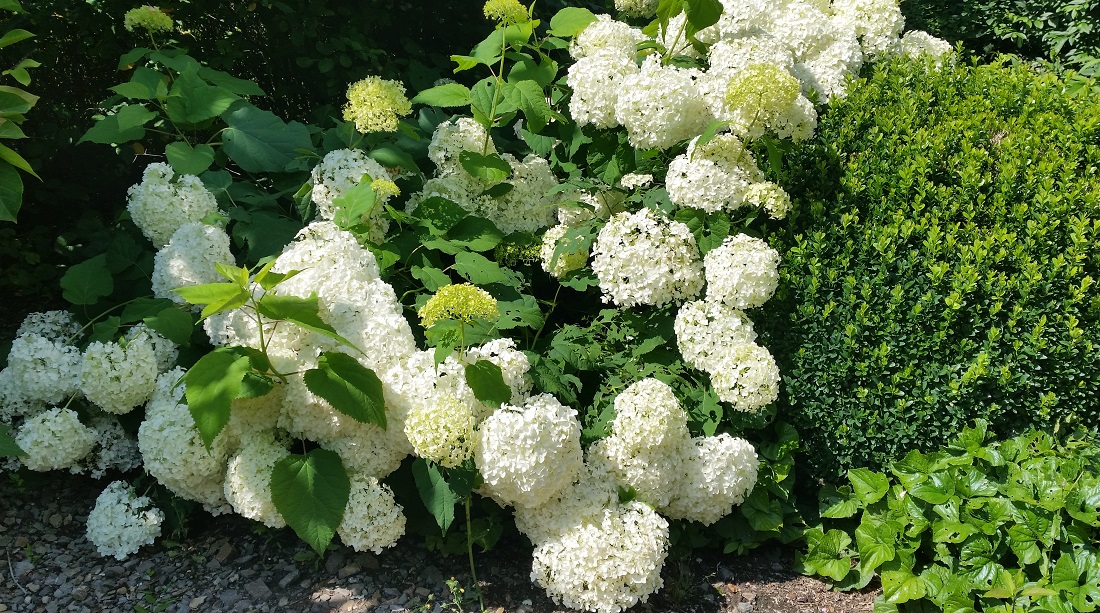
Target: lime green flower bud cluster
384, 188
463, 302
375, 104
506, 11
150, 18
764, 88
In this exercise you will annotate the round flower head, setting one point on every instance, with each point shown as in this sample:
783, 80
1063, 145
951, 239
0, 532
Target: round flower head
877, 23
559, 258
720, 471
608, 565
461, 302
633, 181
529, 454
341, 170
505, 11
661, 105
743, 272
43, 370
372, 519
159, 205
248, 478
121, 521
149, 18
54, 439
748, 378
190, 258
606, 36
713, 176
769, 196
916, 43
451, 138
641, 258
375, 104
118, 378
52, 325
767, 97
637, 8
442, 430
115, 448
707, 331
596, 81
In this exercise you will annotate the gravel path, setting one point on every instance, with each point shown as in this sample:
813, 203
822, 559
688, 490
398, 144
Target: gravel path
228, 565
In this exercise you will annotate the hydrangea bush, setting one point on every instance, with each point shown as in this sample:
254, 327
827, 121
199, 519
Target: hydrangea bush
533, 293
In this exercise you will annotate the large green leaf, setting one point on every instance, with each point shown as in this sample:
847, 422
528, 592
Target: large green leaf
763, 512
350, 387
480, 270
11, 192
15, 101
875, 541
435, 492
446, 95
217, 297
827, 554
900, 586
529, 98
837, 503
9, 155
868, 485
174, 324
188, 160
124, 126
570, 21
88, 281
211, 386
13, 36
354, 204
439, 215
702, 13
8, 446
302, 311
487, 382
258, 141
311, 492
490, 168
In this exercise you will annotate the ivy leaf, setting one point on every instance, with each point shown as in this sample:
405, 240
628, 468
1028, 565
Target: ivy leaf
487, 382
349, 387
447, 95
88, 281
211, 386
311, 492
435, 492
8, 446
837, 503
258, 141
186, 160
868, 485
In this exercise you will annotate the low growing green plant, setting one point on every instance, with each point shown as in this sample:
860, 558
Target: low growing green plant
979, 526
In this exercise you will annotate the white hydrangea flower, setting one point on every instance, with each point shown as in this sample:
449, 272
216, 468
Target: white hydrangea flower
513, 363
159, 205
640, 258
828, 71
769, 196
13, 400
115, 448
661, 105
707, 330
118, 378
719, 472
442, 430
189, 259
632, 181
637, 8
713, 176
766, 98
877, 23
173, 453
54, 439
121, 521
606, 36
338, 172
44, 370
596, 81
248, 478
917, 43
53, 325
529, 454
567, 261
530, 205
583, 501
372, 519
453, 137
748, 378
605, 566
165, 350
742, 272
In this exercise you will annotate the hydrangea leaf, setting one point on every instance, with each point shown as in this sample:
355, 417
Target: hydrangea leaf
174, 324
127, 125
302, 311
571, 21
439, 215
217, 297
187, 160
311, 492
191, 100
258, 141
490, 168
480, 270
475, 234
529, 98
542, 72
702, 13
487, 382
764, 513
8, 446
211, 385
141, 308
354, 204
11, 192
88, 281
446, 95
241, 87
105, 330
350, 387
392, 157
435, 492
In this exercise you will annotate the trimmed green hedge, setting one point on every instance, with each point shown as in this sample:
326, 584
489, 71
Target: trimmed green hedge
939, 265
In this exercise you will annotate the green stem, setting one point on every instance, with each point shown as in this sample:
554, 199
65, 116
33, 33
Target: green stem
496, 94
553, 305
92, 320
470, 554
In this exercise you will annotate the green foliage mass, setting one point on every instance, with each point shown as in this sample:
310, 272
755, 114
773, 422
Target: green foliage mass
978, 526
939, 264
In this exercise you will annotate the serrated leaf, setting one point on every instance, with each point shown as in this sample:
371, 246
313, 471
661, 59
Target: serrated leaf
487, 382
217, 297
88, 281
900, 586
173, 324
127, 125
480, 270
529, 98
868, 485
490, 168
311, 493
301, 311
571, 21
211, 385
445, 96
258, 141
439, 215
8, 447
435, 492
350, 387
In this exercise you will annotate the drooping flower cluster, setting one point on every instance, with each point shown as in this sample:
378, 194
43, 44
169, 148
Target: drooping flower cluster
121, 521
118, 378
641, 258
376, 105
160, 205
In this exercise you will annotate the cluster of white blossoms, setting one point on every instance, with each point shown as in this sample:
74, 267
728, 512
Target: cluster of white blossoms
116, 377
528, 205
742, 272
121, 521
190, 258
372, 520
917, 44
661, 106
642, 258
160, 205
343, 169
713, 176
54, 439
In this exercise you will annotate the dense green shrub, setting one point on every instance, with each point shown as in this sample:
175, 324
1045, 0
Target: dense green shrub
939, 265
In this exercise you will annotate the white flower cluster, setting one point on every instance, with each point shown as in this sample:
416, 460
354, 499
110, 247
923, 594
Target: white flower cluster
119, 377
121, 521
54, 439
713, 176
918, 44
43, 369
743, 272
159, 205
189, 259
528, 206
877, 23
372, 519
642, 258
718, 339
248, 478
49, 324
661, 106
341, 170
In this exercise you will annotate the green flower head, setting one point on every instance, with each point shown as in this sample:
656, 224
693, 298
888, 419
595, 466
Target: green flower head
764, 88
506, 11
463, 302
151, 18
375, 104
384, 188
